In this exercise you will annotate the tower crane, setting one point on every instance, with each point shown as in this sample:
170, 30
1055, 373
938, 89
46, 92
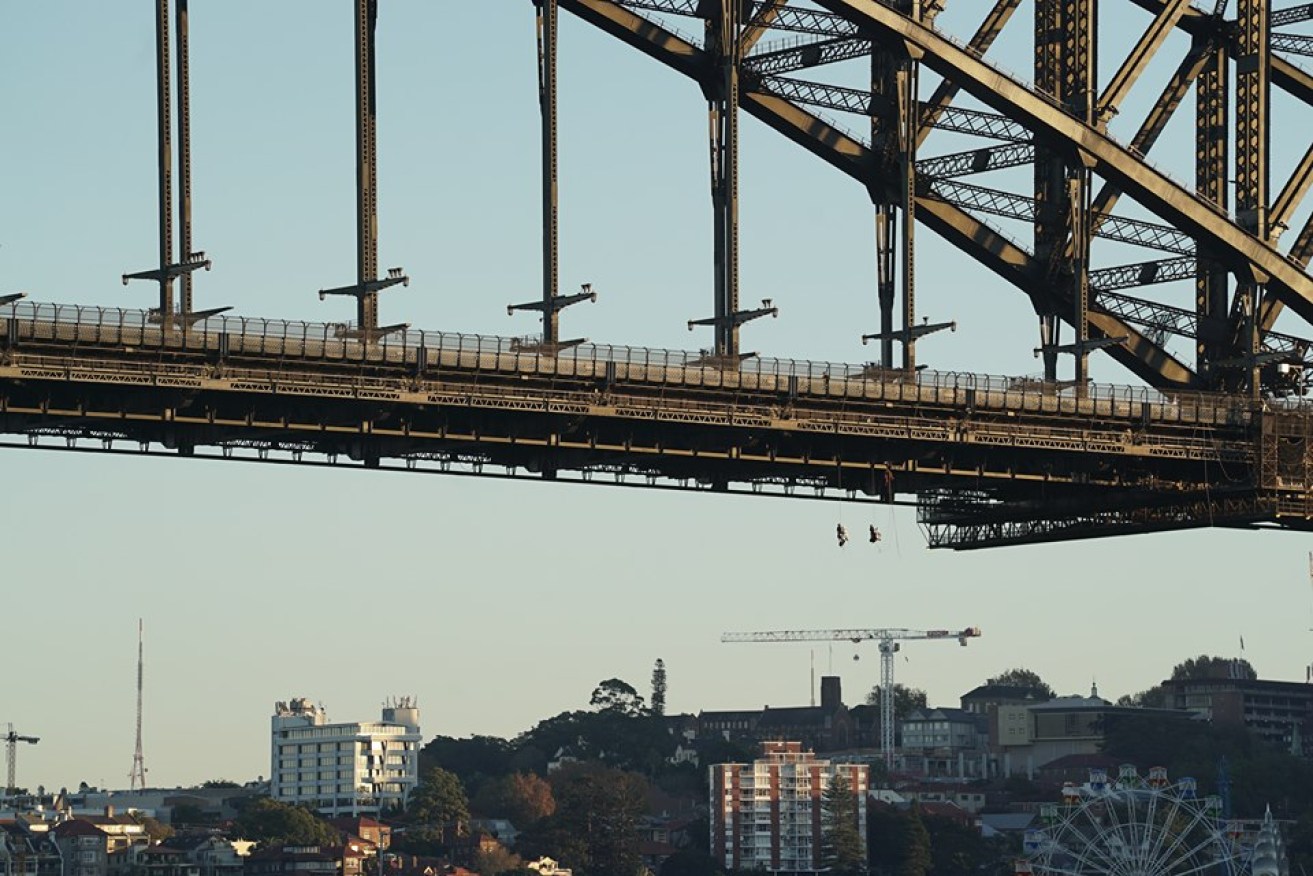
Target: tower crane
888, 643
11, 754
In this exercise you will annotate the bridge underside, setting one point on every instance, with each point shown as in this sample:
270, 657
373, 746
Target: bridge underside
988, 462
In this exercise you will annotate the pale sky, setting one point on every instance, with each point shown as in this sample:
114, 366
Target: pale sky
495, 603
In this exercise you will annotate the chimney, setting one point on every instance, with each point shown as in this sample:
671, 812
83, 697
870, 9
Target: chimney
831, 692
109, 811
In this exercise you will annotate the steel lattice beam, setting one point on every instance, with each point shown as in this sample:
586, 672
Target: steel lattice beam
1022, 208
1292, 15
806, 55
1295, 44
976, 161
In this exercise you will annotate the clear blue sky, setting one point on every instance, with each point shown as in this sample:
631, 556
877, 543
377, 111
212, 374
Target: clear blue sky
498, 604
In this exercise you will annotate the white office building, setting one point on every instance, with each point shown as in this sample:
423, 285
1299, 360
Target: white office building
344, 769
768, 815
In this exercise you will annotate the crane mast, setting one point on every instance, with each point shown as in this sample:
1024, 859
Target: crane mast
887, 642
11, 756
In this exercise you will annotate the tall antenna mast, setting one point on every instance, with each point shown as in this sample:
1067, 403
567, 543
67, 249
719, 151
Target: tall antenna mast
137, 778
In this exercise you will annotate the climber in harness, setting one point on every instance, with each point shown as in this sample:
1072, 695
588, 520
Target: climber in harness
841, 534
875, 534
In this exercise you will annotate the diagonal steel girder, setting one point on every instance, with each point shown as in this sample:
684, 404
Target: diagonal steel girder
1241, 251
1146, 359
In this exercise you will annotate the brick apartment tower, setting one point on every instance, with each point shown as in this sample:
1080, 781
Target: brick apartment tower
768, 814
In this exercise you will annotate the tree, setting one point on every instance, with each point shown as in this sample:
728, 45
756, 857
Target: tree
523, 798
157, 830
659, 687
188, 815
841, 838
595, 827
497, 861
1021, 677
915, 859
471, 759
271, 823
1204, 666
688, 862
958, 850
220, 783
439, 801
615, 695
906, 699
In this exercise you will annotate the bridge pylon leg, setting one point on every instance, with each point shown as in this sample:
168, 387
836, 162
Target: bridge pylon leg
722, 95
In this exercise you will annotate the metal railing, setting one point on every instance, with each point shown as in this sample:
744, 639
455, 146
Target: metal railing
299, 342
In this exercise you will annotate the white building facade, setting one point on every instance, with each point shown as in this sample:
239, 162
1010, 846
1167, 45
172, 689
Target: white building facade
344, 769
769, 814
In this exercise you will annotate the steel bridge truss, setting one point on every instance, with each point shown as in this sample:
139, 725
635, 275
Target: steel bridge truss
1216, 440
1056, 124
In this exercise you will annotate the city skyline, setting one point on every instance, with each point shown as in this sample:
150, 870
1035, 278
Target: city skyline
497, 604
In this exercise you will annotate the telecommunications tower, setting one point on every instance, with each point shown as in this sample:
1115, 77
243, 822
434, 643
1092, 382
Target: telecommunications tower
137, 778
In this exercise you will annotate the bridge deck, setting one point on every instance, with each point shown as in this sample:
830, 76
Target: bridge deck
972, 447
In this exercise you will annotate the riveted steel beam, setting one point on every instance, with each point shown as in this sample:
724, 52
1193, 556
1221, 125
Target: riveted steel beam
163, 109
1212, 182
1145, 49
366, 163
547, 13
1252, 171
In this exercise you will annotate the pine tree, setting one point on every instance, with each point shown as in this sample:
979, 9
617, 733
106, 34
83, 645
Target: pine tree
916, 858
659, 687
841, 843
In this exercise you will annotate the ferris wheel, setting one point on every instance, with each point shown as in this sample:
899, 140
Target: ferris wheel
1133, 827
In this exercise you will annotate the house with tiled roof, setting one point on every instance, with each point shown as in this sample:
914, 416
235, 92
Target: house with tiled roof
139, 860
213, 855
36, 848
83, 847
371, 830
291, 860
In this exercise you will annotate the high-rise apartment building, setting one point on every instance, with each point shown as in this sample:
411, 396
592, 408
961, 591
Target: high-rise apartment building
344, 769
769, 814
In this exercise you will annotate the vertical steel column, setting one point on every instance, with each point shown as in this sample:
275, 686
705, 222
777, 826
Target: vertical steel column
1065, 69
883, 95
885, 228
895, 134
184, 160
1050, 188
1081, 97
723, 104
366, 167
163, 110
1212, 169
547, 31
1253, 60
909, 120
